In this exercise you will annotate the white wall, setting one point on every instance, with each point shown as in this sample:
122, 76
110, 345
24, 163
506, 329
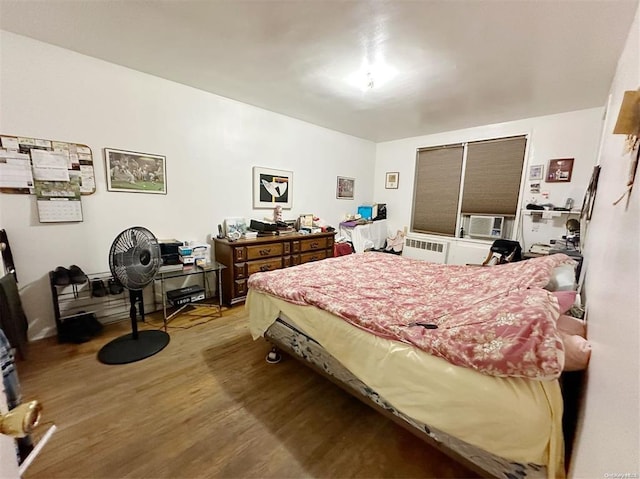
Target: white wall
211, 144
608, 437
567, 135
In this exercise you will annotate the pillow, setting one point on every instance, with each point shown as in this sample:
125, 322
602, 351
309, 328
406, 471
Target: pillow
563, 278
566, 299
577, 352
571, 325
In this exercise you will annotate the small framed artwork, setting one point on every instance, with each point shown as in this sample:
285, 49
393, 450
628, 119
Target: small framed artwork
590, 196
272, 188
534, 187
559, 170
235, 228
391, 180
135, 172
344, 189
536, 172
306, 221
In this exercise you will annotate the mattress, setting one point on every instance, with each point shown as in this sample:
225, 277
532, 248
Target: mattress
517, 419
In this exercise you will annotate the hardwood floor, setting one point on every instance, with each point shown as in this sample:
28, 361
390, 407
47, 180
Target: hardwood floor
209, 405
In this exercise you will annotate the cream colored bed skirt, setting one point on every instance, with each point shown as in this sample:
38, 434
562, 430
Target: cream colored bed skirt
515, 418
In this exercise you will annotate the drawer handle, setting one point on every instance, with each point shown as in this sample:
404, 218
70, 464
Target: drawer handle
265, 252
313, 258
265, 267
315, 244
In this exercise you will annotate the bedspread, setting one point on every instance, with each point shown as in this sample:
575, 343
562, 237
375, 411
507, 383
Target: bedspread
497, 320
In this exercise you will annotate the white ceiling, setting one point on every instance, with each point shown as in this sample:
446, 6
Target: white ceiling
458, 63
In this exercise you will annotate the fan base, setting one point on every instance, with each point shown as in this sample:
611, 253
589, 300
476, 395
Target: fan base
126, 349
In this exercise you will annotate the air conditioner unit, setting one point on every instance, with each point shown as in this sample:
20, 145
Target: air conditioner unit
486, 226
416, 247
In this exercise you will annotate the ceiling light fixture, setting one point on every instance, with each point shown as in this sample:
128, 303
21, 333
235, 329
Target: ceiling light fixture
370, 82
372, 76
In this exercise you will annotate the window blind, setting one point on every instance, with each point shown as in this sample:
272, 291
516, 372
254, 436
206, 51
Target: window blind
492, 176
437, 189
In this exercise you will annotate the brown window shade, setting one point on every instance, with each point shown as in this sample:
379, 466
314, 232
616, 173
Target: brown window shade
492, 176
437, 188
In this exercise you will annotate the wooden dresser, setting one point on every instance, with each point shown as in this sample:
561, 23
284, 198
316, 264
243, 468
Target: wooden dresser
244, 257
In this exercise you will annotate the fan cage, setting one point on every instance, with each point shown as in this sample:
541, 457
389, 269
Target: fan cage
134, 257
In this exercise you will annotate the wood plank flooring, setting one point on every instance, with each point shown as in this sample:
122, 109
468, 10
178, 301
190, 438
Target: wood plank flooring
209, 406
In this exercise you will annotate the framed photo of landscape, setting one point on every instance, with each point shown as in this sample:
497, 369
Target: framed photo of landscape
134, 172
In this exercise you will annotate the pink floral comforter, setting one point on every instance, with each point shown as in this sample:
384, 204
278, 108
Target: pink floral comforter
497, 320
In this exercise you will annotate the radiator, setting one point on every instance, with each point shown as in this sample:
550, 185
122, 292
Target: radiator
425, 249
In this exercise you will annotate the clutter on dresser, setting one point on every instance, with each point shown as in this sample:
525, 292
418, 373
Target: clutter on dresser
235, 228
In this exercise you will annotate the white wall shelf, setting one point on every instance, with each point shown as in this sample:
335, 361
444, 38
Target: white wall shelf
550, 213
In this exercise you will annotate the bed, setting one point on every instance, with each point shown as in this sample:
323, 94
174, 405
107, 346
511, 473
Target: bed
468, 358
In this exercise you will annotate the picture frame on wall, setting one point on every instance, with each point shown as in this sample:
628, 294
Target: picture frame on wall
392, 179
559, 170
134, 172
345, 188
272, 188
536, 172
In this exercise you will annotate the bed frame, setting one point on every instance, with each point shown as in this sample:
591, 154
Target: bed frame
287, 338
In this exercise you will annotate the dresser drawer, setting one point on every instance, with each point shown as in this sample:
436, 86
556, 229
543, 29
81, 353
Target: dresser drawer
264, 251
312, 256
264, 265
240, 288
313, 244
239, 270
239, 254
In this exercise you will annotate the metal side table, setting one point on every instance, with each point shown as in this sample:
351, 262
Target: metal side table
167, 273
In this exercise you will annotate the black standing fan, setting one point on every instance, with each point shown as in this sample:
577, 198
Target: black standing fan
134, 260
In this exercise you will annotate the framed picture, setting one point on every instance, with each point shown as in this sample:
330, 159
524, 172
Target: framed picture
559, 170
536, 172
272, 188
235, 228
590, 196
344, 189
135, 172
391, 180
306, 221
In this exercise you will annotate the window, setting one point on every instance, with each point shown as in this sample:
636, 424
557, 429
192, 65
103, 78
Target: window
475, 178
437, 188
